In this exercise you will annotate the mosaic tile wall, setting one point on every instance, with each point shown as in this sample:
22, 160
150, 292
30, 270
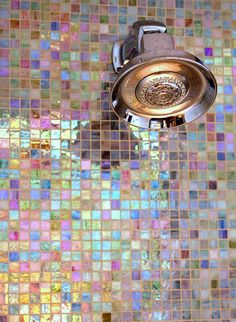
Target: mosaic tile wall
100, 221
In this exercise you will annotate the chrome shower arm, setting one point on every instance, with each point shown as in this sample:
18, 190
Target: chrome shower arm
137, 34
144, 36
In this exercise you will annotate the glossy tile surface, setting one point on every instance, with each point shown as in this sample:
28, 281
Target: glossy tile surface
99, 221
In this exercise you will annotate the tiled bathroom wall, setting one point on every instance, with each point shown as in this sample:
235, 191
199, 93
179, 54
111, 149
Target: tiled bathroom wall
100, 221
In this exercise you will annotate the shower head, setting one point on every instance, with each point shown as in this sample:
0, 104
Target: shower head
158, 86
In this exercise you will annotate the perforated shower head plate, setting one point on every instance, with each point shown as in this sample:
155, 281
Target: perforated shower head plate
158, 86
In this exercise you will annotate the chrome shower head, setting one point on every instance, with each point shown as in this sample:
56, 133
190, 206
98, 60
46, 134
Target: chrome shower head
158, 86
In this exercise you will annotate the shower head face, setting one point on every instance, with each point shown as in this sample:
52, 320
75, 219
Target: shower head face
163, 92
